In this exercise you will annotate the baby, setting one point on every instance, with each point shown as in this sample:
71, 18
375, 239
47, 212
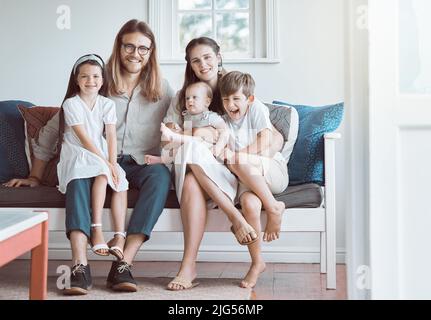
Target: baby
199, 123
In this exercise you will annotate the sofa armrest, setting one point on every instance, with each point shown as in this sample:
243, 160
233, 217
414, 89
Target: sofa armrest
332, 135
330, 207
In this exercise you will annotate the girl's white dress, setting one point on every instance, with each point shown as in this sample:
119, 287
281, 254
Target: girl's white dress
76, 162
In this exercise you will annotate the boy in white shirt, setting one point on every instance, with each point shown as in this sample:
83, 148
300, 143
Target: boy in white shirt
261, 172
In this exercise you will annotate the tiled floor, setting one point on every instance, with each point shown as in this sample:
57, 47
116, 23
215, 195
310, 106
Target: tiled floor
278, 282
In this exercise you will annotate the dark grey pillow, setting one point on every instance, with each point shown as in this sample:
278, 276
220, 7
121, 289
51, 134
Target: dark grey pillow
303, 196
280, 118
13, 162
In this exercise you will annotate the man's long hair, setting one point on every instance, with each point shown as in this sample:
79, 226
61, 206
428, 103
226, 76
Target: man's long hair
150, 78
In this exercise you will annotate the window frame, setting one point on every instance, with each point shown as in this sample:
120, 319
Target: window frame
263, 29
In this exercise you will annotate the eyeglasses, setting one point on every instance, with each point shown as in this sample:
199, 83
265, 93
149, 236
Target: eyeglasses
130, 48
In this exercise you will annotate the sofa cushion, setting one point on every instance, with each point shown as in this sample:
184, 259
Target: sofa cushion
13, 162
306, 196
285, 120
35, 118
306, 163
302, 196
50, 197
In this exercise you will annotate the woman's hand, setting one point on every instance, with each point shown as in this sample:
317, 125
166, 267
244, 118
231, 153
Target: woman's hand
16, 183
218, 152
228, 156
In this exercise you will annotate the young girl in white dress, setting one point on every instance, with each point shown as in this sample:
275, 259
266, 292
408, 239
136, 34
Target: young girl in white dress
86, 154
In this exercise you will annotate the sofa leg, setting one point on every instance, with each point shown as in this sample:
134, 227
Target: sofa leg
323, 252
331, 253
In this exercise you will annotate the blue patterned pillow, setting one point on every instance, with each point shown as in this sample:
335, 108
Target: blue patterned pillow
306, 162
13, 161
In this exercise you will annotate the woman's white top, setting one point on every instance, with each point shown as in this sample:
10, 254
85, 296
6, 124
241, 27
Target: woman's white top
76, 162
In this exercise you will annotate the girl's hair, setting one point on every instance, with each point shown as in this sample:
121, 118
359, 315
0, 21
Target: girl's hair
150, 78
73, 88
190, 77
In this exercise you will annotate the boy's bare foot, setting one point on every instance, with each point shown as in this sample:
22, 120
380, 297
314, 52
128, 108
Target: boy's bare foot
188, 273
153, 160
273, 223
252, 275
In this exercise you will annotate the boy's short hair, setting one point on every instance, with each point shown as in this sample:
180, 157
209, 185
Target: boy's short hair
234, 81
209, 91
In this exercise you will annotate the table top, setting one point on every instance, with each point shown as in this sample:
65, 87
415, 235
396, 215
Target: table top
13, 223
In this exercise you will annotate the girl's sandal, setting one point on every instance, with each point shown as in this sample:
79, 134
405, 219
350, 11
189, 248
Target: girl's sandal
97, 248
116, 250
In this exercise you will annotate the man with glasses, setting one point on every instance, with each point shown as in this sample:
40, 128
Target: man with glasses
131, 48
142, 98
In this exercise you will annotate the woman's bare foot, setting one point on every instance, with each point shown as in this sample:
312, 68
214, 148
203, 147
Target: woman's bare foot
252, 275
153, 160
187, 273
273, 223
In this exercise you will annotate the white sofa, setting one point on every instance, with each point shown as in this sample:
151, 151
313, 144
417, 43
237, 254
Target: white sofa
321, 219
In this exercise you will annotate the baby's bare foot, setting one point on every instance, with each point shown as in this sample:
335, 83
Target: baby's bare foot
273, 224
166, 133
252, 275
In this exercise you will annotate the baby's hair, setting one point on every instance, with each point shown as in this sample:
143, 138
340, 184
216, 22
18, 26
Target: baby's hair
234, 81
209, 91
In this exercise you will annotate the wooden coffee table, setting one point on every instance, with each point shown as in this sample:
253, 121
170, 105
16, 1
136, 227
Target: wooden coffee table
21, 232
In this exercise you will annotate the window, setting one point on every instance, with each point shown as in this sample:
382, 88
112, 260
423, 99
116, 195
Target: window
245, 29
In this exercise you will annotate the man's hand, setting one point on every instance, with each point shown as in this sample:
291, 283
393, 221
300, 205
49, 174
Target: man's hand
16, 183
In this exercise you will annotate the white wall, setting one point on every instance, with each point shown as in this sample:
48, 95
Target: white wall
36, 59
357, 136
